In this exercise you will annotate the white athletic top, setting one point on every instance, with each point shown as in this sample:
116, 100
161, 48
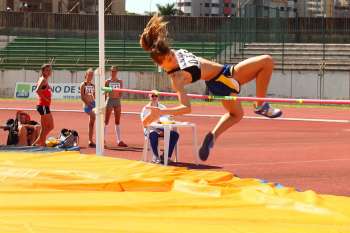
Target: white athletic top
188, 62
186, 59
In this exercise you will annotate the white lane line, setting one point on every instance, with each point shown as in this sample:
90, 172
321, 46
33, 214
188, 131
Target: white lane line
282, 162
206, 115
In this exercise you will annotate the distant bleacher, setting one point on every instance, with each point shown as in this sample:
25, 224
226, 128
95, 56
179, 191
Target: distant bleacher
300, 56
79, 53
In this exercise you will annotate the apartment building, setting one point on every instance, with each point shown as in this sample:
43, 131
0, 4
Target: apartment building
341, 8
206, 7
250, 8
322, 8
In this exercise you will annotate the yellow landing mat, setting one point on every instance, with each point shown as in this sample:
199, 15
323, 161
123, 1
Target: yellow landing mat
71, 192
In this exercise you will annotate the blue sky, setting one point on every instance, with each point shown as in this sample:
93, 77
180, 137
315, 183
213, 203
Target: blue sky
140, 6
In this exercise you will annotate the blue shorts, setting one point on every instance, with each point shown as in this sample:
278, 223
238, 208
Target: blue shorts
224, 84
89, 108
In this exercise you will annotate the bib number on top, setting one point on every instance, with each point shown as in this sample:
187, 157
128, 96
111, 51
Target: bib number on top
186, 59
114, 85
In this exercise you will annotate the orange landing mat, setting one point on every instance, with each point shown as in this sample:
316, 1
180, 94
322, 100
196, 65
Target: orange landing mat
68, 192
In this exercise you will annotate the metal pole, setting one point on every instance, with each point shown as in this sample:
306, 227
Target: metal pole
99, 81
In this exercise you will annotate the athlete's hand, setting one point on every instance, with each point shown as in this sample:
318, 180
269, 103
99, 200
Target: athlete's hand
155, 112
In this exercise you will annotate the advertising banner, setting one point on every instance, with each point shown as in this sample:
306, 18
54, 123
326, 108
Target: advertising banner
59, 90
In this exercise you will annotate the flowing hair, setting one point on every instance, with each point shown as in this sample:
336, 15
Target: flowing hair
154, 38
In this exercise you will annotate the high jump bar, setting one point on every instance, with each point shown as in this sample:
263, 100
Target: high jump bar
236, 98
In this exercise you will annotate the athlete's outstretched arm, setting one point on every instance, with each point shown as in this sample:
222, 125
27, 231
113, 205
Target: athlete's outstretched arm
178, 84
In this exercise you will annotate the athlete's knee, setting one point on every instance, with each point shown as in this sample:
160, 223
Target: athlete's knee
268, 60
153, 136
22, 129
92, 118
236, 116
174, 135
52, 126
91, 122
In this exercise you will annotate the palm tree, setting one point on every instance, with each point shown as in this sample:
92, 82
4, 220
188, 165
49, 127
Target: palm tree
167, 9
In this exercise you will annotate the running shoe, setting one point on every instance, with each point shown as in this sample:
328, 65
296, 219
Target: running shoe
208, 143
156, 160
122, 144
267, 111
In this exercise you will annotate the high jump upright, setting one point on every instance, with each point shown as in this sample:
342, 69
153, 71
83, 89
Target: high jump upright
100, 80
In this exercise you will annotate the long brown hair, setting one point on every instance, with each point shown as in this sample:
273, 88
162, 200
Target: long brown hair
154, 38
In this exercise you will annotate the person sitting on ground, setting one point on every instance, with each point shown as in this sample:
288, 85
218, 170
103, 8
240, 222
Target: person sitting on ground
155, 134
22, 131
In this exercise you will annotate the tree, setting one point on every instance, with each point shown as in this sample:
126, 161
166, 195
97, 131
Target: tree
167, 9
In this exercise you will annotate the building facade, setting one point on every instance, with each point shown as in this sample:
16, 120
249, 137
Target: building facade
63, 6
250, 8
265, 8
206, 7
341, 8
319, 8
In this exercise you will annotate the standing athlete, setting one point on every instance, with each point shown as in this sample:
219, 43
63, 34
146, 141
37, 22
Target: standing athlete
87, 95
44, 93
113, 104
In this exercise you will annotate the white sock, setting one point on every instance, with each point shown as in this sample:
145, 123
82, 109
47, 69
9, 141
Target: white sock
117, 133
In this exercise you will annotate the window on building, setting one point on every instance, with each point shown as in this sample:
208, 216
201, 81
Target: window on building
187, 4
282, 8
233, 5
207, 4
215, 5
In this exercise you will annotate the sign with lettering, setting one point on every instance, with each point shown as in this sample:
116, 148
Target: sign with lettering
59, 90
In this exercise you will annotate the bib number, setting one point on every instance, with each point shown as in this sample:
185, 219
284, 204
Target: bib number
114, 85
186, 59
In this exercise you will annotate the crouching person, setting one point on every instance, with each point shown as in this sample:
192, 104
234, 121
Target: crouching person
22, 130
28, 130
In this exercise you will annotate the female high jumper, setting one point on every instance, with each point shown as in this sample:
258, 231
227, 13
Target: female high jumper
184, 68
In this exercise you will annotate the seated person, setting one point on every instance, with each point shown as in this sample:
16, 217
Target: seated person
22, 130
156, 133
